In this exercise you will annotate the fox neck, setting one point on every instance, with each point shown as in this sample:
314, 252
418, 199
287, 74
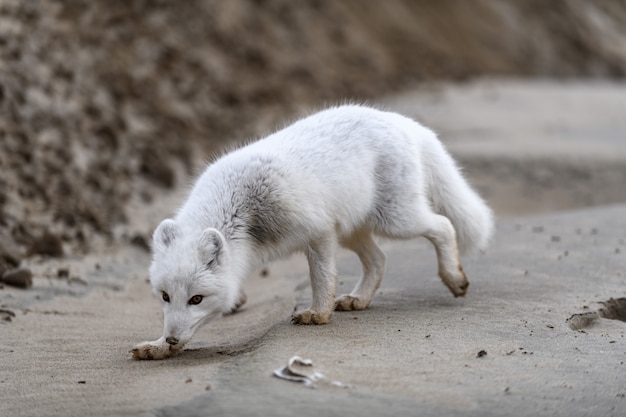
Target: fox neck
240, 259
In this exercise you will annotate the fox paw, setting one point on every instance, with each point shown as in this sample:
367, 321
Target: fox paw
457, 288
460, 290
457, 283
349, 303
153, 350
310, 317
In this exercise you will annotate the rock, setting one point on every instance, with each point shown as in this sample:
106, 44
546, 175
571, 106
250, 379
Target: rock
47, 244
141, 242
20, 278
3, 266
6, 315
9, 253
155, 166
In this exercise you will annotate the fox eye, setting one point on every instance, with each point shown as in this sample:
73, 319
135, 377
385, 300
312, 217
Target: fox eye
166, 297
196, 299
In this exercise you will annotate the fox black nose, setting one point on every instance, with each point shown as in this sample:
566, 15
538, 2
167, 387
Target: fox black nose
172, 341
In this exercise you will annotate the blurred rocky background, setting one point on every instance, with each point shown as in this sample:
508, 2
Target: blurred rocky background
107, 102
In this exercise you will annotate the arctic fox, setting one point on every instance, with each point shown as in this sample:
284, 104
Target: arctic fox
337, 177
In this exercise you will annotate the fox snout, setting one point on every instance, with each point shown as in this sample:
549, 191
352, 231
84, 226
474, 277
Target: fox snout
178, 328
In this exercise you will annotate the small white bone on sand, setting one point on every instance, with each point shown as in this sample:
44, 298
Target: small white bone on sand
299, 370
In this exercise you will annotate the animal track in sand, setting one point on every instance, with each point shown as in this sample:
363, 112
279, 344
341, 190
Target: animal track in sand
614, 309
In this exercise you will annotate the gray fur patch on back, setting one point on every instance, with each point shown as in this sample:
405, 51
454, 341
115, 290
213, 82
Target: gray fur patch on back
390, 198
268, 218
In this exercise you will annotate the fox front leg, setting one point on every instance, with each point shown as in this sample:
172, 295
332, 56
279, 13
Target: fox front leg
155, 350
321, 258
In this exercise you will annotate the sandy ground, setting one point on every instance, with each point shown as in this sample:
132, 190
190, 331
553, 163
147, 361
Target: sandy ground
530, 147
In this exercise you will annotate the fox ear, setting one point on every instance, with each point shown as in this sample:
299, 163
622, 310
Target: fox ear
165, 234
212, 246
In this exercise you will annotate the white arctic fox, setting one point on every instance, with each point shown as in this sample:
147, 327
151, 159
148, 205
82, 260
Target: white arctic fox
338, 177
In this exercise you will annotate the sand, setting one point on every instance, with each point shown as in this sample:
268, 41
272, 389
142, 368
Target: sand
64, 349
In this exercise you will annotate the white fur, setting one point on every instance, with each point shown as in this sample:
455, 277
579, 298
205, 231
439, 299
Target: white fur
337, 177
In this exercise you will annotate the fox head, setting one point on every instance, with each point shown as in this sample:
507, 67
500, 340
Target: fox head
189, 276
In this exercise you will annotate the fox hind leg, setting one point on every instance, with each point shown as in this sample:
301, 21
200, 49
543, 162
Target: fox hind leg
439, 230
419, 220
373, 261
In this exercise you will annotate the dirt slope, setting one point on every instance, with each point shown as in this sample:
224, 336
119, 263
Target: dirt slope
100, 101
